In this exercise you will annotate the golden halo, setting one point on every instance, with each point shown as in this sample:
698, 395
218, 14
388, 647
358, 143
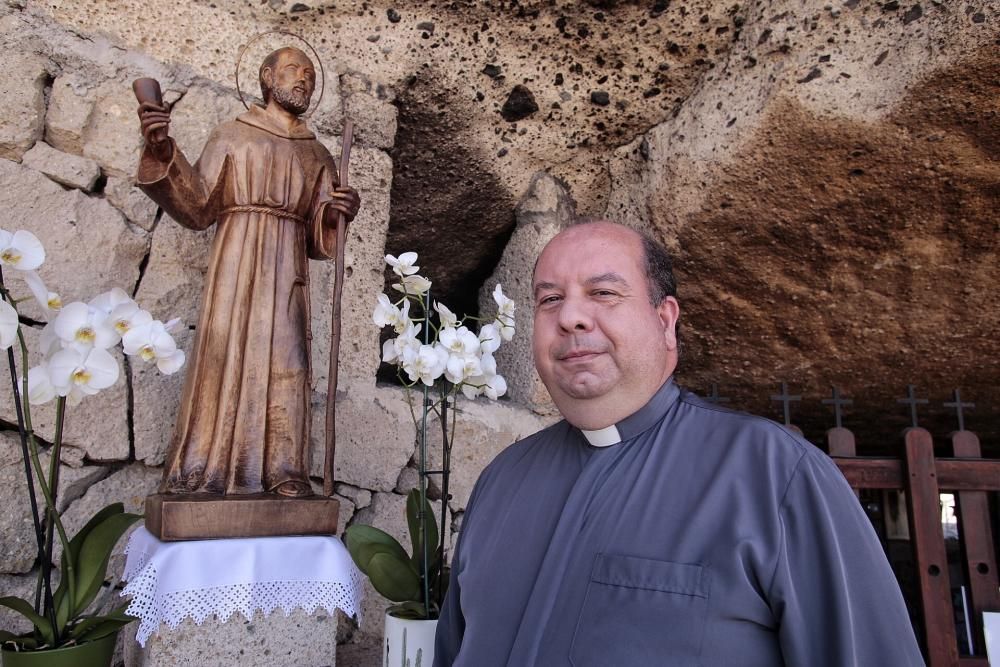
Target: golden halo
319, 63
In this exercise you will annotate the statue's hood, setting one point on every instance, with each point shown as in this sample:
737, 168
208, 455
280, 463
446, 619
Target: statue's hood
260, 119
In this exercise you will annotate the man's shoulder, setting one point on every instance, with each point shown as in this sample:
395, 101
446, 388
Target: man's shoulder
757, 436
529, 448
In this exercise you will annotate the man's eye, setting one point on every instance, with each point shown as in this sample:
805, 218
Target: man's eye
552, 298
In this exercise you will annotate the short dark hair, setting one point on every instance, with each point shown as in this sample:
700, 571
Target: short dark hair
659, 269
659, 265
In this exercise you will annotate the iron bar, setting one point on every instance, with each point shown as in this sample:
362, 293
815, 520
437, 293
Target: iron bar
958, 405
786, 401
912, 400
837, 402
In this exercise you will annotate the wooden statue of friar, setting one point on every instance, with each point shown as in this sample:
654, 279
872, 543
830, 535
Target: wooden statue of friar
272, 191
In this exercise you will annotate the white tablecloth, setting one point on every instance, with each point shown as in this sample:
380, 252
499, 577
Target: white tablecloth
171, 581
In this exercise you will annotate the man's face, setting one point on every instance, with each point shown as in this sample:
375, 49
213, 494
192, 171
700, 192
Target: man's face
293, 80
598, 341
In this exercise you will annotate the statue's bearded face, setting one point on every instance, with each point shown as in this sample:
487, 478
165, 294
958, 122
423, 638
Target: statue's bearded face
293, 80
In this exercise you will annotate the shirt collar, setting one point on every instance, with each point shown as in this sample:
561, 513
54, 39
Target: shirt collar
637, 422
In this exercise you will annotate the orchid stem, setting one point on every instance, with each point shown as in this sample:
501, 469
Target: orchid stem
24, 431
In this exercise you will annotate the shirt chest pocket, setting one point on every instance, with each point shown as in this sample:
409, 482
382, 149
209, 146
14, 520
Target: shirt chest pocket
640, 612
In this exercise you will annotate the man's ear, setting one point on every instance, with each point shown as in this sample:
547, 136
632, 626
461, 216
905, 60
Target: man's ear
669, 311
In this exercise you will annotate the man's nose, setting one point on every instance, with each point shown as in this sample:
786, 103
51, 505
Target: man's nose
575, 315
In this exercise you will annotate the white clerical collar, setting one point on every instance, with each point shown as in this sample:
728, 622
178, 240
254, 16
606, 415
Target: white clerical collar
604, 437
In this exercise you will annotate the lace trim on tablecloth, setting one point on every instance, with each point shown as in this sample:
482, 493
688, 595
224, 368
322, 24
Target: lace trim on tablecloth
222, 601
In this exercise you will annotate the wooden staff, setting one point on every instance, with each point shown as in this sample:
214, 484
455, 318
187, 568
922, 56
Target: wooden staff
338, 289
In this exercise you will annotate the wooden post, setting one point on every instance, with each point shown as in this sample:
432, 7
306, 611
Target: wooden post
923, 501
840, 442
977, 539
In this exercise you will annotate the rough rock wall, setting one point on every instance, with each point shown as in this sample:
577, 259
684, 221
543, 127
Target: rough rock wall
824, 171
830, 191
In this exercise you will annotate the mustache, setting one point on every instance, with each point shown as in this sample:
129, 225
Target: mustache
574, 347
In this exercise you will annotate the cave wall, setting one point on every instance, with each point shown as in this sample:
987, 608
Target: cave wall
826, 174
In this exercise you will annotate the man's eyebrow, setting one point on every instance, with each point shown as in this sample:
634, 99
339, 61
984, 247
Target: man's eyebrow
542, 286
609, 277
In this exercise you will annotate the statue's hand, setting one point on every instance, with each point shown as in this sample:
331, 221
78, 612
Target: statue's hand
345, 200
155, 120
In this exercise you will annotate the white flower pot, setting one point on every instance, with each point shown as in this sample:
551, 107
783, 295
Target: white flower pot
408, 643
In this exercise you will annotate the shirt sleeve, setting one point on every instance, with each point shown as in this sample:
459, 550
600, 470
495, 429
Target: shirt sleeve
833, 593
451, 622
191, 195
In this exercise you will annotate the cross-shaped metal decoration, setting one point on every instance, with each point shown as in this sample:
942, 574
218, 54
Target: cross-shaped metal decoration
837, 402
786, 402
912, 400
958, 405
714, 396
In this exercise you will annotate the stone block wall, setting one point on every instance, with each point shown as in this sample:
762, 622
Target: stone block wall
69, 146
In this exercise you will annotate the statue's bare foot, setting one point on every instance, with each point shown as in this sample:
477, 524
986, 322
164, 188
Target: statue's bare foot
293, 489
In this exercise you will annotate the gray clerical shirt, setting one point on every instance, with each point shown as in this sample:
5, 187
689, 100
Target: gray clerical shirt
703, 537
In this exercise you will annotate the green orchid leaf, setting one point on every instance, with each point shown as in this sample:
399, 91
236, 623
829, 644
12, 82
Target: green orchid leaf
393, 578
363, 542
103, 629
82, 630
77, 540
19, 641
416, 538
60, 598
24, 608
92, 561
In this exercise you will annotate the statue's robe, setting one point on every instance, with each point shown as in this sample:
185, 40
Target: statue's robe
243, 424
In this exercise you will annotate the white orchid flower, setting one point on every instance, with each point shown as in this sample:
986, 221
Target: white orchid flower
426, 364
459, 369
48, 341
81, 326
77, 373
495, 385
127, 316
489, 383
152, 343
505, 306
8, 325
108, 301
505, 313
392, 349
387, 314
489, 338
21, 250
414, 285
472, 388
173, 325
40, 389
448, 318
50, 301
404, 265
391, 352
459, 342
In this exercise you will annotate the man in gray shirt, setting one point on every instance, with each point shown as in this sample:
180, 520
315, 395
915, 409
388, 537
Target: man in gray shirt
650, 527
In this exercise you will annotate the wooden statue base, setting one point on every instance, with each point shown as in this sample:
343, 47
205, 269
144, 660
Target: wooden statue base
198, 516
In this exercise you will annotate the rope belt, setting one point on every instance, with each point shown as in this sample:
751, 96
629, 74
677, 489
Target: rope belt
277, 212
